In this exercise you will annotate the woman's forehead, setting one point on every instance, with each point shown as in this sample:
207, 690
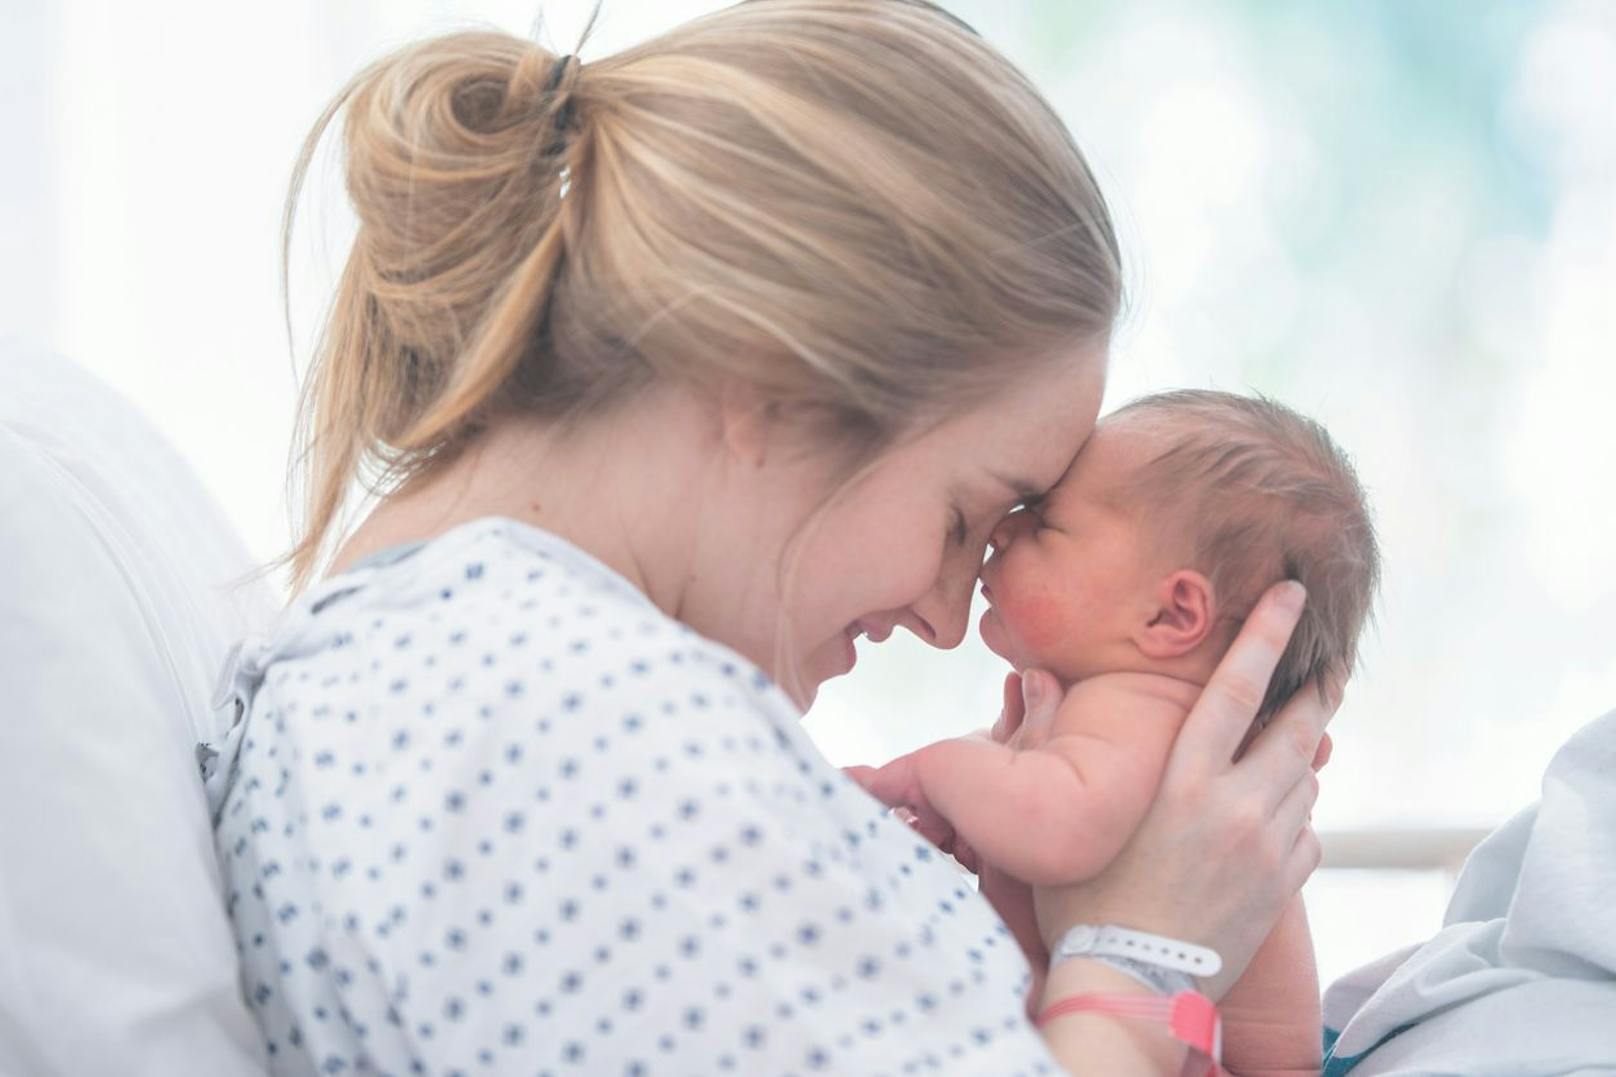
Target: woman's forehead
1025, 438
1053, 420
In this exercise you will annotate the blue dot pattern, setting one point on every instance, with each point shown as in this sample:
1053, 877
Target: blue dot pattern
487, 810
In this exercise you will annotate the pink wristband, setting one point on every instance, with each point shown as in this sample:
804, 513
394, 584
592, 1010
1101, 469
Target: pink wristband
1190, 1017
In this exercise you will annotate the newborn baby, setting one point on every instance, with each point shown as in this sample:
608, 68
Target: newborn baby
1128, 581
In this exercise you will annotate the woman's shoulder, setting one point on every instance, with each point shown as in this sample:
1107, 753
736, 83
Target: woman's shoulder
498, 621
502, 600
611, 797
484, 564
499, 652
497, 588
494, 617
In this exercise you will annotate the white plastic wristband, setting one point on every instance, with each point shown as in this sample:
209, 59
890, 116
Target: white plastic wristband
1108, 940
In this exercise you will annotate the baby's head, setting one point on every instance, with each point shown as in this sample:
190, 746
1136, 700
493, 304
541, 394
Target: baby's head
1182, 509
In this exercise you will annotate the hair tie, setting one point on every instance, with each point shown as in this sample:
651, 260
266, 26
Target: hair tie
564, 114
558, 69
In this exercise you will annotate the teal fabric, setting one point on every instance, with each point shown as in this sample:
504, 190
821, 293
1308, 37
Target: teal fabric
1337, 1065
1333, 1066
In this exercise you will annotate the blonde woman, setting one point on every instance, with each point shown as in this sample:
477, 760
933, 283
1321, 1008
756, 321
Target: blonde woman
676, 372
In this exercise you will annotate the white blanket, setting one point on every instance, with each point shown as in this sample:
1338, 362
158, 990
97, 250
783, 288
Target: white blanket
1522, 977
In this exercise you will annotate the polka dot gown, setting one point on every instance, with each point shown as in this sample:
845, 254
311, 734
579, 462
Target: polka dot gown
487, 810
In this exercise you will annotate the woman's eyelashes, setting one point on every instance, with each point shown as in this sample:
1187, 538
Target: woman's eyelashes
1031, 505
1033, 508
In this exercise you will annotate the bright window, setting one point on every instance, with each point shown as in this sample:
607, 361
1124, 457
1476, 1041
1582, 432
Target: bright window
1398, 217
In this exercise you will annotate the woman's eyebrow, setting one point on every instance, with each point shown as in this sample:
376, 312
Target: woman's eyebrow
1020, 487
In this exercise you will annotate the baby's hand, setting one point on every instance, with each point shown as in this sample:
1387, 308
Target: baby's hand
1010, 897
897, 785
862, 775
1037, 690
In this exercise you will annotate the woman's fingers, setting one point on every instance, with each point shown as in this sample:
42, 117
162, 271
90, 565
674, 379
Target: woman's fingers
966, 855
1293, 741
1304, 860
1295, 808
1325, 750
1224, 713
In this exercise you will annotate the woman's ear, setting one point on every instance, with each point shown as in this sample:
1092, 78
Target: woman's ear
1182, 612
744, 418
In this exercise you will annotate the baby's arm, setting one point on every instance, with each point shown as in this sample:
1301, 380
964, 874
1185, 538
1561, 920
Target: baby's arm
1272, 1025
1051, 814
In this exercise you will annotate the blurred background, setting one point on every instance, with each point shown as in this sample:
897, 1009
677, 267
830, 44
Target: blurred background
1400, 218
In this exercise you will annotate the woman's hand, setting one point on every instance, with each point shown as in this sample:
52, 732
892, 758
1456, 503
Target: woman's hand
1226, 843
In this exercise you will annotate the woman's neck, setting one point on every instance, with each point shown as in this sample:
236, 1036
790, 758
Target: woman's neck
620, 488
691, 504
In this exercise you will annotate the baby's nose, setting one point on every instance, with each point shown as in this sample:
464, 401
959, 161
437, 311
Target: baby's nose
1003, 532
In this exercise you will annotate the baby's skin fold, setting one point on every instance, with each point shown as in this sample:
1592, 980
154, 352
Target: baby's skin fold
1055, 811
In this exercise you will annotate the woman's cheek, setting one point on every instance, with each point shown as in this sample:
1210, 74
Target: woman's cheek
909, 581
871, 587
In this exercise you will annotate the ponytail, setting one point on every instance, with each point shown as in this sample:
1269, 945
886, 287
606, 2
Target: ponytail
456, 152
855, 207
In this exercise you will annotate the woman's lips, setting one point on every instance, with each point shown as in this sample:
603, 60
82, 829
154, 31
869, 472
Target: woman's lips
876, 633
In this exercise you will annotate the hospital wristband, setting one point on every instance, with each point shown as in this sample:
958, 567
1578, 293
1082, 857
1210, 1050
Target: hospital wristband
1190, 1017
1164, 964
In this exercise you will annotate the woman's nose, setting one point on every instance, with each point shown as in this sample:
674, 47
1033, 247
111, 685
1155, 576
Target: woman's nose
946, 610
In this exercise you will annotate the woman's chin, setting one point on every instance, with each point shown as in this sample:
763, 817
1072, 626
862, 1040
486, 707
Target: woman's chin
804, 689
836, 658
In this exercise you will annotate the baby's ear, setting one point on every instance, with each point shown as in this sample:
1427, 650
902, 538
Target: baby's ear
1182, 612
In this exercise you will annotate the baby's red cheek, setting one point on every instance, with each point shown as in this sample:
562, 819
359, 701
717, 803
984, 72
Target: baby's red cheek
1038, 620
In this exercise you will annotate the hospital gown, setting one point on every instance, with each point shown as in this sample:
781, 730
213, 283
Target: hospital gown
486, 809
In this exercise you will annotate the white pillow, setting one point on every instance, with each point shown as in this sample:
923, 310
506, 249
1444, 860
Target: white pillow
116, 955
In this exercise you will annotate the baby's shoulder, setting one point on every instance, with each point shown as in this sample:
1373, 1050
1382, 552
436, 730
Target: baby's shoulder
1127, 706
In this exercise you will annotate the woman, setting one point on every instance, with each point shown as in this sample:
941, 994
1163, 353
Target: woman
684, 369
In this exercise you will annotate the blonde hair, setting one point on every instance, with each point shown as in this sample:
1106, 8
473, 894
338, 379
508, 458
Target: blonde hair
856, 206
1260, 494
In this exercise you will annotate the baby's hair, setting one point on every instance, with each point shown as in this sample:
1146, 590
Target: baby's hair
1264, 494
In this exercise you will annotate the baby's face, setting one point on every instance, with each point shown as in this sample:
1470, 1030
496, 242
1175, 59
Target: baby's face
1066, 575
